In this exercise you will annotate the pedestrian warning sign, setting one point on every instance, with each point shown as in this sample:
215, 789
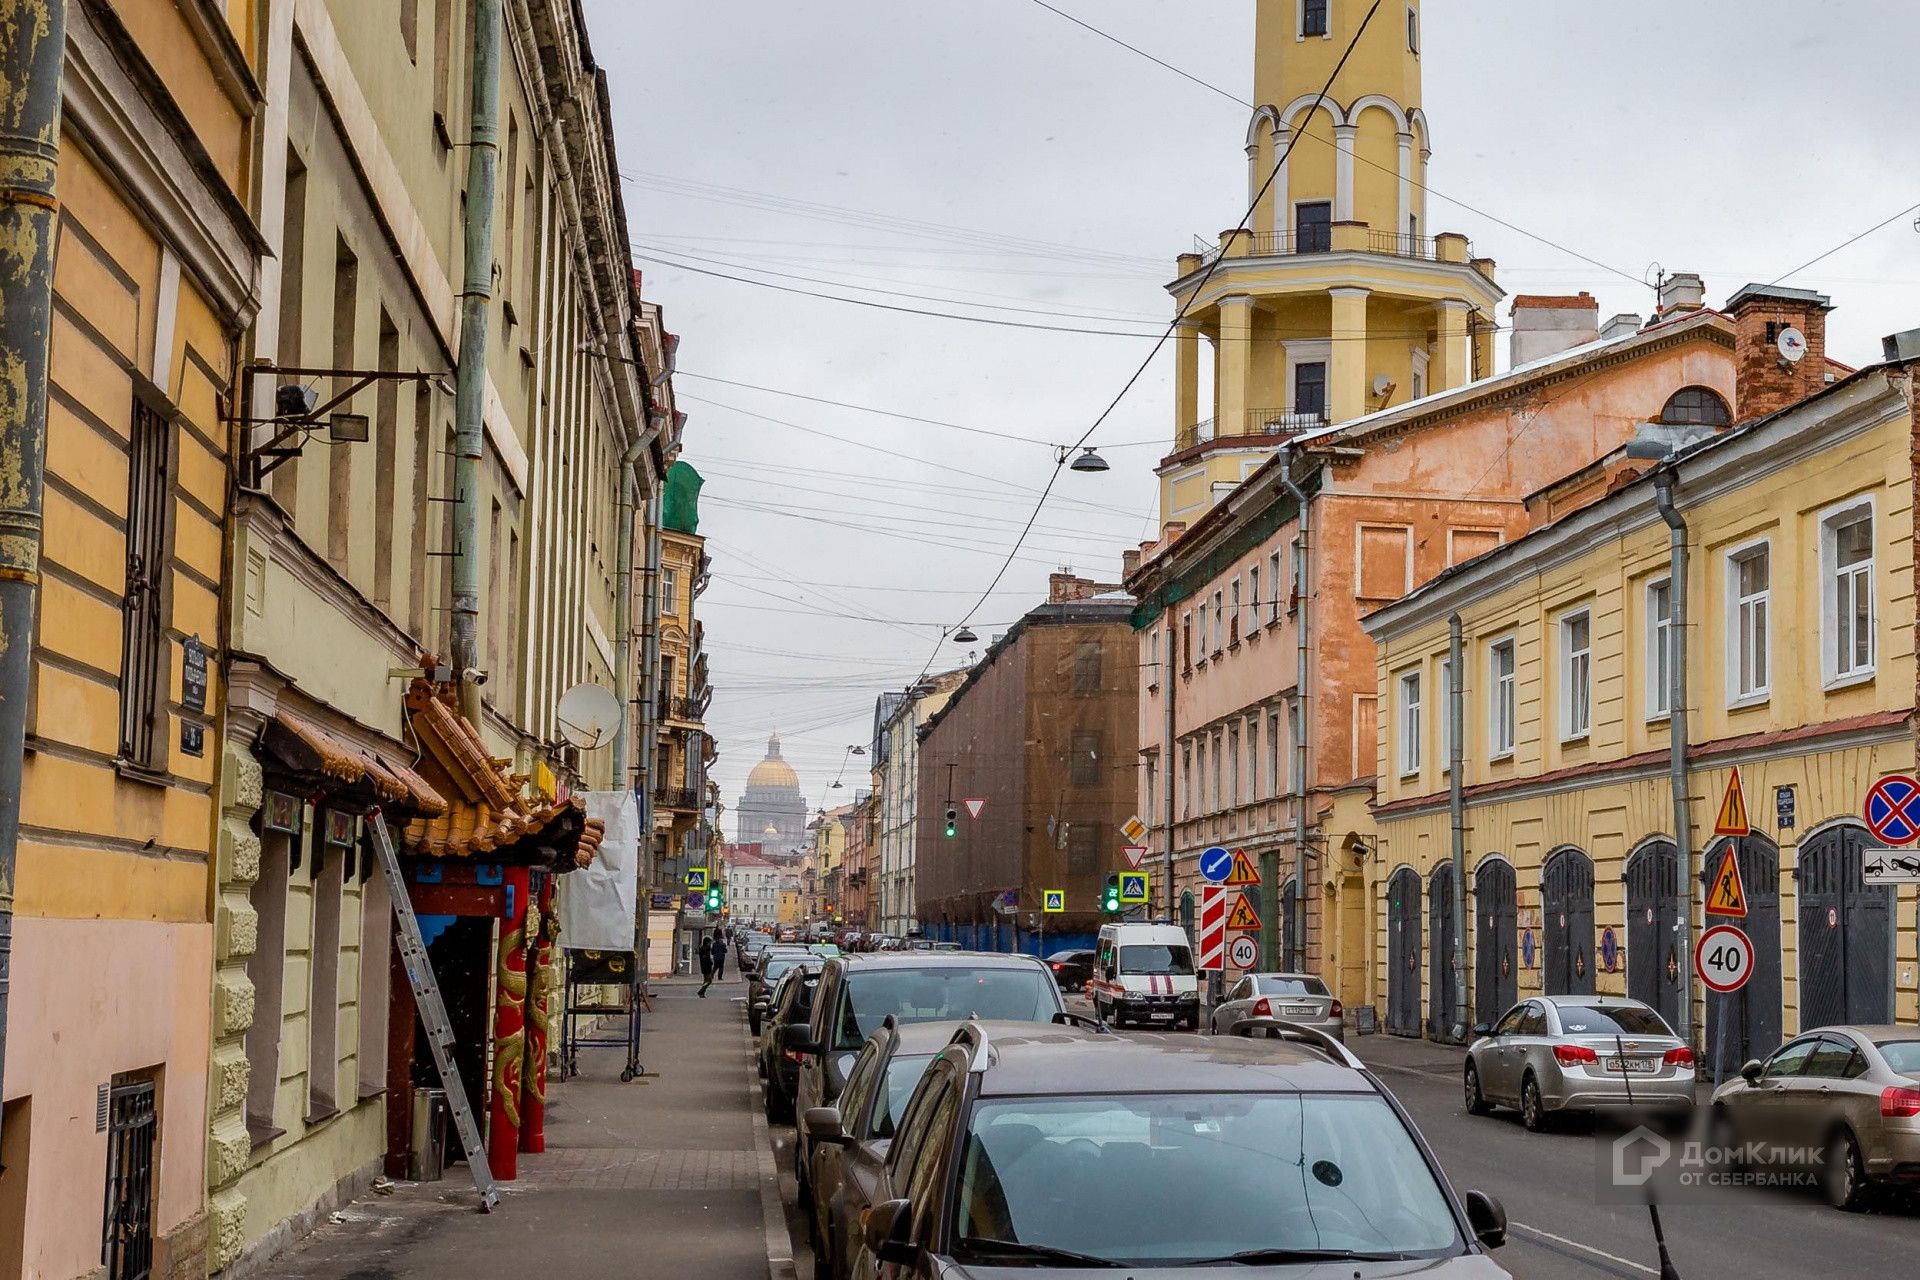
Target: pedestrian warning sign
696, 878
1244, 871
1243, 917
1733, 811
1133, 886
1053, 901
1726, 896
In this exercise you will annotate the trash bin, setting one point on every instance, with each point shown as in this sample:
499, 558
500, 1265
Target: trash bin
431, 1121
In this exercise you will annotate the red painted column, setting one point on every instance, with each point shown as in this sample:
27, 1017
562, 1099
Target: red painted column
509, 1031
541, 973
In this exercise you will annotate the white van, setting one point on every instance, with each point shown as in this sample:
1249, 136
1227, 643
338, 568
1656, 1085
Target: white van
1143, 972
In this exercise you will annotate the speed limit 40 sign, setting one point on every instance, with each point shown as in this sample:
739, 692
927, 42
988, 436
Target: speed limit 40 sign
1724, 959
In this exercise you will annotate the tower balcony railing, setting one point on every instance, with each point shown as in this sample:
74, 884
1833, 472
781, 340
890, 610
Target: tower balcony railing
1272, 424
1339, 237
684, 799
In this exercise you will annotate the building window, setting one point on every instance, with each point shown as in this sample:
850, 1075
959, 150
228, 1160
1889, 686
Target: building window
1203, 631
1413, 30
1083, 849
1205, 804
669, 590
1273, 753
1846, 555
1253, 599
1253, 758
1749, 591
1576, 675
1086, 667
1273, 577
1313, 17
1186, 779
1186, 641
1219, 622
1153, 658
1659, 648
1233, 765
1085, 769
1696, 407
1152, 806
1409, 723
1312, 230
1500, 705
1233, 624
143, 658
1450, 730
1310, 388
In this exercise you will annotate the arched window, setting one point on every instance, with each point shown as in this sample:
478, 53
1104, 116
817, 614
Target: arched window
1696, 407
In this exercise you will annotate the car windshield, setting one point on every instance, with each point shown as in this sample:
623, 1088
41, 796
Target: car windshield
1612, 1019
1272, 985
1023, 993
903, 1073
1902, 1055
1156, 959
1327, 1172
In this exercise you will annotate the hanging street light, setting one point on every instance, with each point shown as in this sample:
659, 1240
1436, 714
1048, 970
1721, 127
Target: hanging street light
1088, 461
965, 636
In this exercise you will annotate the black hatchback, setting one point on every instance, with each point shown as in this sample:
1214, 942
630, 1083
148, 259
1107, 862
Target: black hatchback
1072, 970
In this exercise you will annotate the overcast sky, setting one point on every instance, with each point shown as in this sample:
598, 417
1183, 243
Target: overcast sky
990, 152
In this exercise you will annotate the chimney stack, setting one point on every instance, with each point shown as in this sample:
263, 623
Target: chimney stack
1780, 347
1621, 325
1547, 324
1681, 292
1129, 562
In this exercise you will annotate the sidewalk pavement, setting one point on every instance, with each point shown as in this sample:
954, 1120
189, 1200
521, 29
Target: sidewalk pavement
671, 1174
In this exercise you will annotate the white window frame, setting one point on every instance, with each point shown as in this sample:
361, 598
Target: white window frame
670, 591
1200, 658
1418, 357
1219, 766
1296, 574
1739, 607
1276, 586
1253, 756
1502, 698
1449, 730
1576, 662
1186, 780
1308, 351
1300, 21
1836, 674
1153, 659
1250, 624
1659, 650
1233, 628
1233, 765
1407, 700
1274, 760
1413, 31
1219, 621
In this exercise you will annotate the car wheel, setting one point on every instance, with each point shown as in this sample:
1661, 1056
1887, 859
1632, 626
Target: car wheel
1476, 1101
1533, 1109
1845, 1180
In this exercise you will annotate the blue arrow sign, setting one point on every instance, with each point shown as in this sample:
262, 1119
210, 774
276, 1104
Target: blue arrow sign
1216, 864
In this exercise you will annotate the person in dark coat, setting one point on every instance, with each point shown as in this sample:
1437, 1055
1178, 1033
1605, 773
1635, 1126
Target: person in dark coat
719, 958
706, 964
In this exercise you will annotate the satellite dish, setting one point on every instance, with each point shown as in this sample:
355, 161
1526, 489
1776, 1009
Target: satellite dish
1382, 385
588, 715
1792, 344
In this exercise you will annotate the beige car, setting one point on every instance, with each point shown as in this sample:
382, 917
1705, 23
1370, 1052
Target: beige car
1851, 1094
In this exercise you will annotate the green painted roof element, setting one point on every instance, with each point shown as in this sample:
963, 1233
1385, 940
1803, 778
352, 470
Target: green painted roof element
680, 505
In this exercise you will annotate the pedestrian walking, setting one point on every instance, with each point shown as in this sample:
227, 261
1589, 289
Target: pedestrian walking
719, 958
706, 965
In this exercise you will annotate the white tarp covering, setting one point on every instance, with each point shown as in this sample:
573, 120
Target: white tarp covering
596, 903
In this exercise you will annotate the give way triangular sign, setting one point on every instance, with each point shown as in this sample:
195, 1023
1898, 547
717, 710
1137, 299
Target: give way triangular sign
974, 805
1136, 854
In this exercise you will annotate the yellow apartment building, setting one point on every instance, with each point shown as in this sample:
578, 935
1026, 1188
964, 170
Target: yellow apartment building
1788, 654
156, 266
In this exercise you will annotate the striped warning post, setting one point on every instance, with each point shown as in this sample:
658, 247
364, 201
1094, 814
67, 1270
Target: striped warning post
1213, 927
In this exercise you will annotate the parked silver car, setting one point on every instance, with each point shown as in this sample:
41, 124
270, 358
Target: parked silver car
1551, 1055
1292, 997
1851, 1093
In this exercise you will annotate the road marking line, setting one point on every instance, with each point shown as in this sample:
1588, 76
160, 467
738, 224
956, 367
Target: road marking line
1614, 1258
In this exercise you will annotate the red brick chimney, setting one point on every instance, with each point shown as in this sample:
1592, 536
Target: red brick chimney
1766, 320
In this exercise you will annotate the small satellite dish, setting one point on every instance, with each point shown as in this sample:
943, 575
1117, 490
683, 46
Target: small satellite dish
1382, 385
1792, 344
588, 715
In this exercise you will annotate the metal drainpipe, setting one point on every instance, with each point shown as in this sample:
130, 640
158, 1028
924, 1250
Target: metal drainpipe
1677, 779
1302, 656
30, 61
1457, 804
623, 611
644, 753
470, 381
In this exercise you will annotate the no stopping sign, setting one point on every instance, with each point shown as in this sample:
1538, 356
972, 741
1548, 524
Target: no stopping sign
1723, 959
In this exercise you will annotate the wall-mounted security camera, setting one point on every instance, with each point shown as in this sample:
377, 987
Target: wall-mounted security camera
474, 676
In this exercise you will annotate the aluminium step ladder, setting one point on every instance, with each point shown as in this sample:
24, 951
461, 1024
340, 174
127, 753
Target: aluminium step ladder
433, 1016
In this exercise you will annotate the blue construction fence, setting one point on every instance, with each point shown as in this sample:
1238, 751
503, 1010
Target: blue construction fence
1009, 938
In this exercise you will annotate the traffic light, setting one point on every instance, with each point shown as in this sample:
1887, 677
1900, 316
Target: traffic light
713, 897
1110, 895
953, 822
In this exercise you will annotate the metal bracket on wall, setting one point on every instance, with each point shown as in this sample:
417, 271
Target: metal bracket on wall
259, 460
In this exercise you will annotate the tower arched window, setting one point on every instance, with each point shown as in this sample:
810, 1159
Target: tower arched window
1696, 407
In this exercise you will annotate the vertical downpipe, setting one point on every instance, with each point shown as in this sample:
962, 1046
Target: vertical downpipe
1677, 780
1302, 660
1457, 805
32, 43
470, 382
644, 754
623, 612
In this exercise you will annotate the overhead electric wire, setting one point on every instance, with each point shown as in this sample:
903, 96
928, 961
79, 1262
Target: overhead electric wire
1849, 241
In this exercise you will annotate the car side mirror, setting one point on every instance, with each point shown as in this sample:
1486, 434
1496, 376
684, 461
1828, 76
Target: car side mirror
888, 1230
1487, 1218
823, 1125
1483, 1028
798, 1037
1751, 1071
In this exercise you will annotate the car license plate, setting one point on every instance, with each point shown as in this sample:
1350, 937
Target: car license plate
1638, 1066
1298, 1010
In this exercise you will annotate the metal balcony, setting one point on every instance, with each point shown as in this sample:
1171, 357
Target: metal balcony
1273, 424
683, 799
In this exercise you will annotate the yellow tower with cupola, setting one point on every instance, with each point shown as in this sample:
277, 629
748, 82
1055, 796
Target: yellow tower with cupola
1338, 298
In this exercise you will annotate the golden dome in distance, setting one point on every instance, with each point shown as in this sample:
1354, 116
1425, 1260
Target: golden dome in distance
773, 771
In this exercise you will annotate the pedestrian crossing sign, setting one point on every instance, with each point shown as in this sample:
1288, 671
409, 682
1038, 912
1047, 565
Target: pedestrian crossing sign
1053, 901
1726, 896
1133, 887
697, 878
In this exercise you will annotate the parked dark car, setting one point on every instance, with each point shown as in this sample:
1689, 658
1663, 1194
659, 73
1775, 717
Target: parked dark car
780, 1065
773, 966
858, 993
1072, 970
1057, 1150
